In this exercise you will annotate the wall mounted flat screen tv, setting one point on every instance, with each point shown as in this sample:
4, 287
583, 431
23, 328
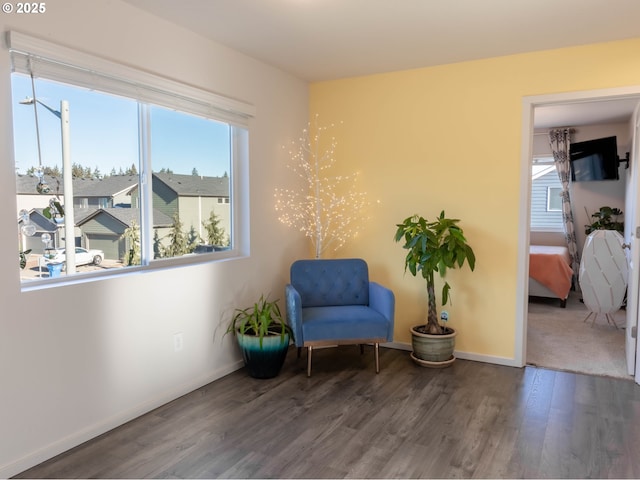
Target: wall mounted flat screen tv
594, 160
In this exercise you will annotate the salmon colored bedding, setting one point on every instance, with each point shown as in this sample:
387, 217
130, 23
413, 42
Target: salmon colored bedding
550, 266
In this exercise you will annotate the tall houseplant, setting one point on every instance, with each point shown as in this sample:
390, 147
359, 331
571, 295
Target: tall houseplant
434, 247
263, 337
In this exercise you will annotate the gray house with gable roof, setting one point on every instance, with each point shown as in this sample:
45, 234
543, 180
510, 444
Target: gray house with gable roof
102, 228
105, 208
193, 197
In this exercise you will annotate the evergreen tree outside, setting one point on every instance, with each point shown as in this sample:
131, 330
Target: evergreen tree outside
157, 245
215, 233
193, 239
51, 171
178, 241
132, 236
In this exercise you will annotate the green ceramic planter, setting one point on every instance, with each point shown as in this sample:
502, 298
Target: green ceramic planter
433, 350
263, 361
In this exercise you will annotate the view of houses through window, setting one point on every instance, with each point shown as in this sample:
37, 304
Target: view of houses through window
546, 203
117, 145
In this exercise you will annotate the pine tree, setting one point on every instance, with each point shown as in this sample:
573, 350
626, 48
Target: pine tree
77, 171
215, 233
178, 242
132, 236
193, 239
157, 245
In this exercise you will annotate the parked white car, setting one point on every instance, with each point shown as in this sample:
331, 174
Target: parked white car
83, 256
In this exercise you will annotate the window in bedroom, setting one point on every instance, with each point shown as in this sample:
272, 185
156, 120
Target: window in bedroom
153, 167
546, 204
554, 201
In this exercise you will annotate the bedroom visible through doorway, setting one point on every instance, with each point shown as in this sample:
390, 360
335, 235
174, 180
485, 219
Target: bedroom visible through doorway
553, 337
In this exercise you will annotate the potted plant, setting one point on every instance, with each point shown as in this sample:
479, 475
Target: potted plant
606, 218
263, 337
433, 247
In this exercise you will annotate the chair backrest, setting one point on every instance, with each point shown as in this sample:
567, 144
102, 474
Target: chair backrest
331, 282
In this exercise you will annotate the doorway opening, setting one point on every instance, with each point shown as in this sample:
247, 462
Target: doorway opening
552, 336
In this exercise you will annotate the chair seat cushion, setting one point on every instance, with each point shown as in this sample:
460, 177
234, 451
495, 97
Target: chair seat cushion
343, 323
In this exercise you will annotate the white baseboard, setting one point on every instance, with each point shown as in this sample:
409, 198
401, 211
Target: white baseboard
476, 357
62, 445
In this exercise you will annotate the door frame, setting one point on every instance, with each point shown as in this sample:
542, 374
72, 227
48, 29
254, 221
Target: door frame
529, 104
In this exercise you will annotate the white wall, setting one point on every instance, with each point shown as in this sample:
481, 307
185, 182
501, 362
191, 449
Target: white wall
78, 360
593, 195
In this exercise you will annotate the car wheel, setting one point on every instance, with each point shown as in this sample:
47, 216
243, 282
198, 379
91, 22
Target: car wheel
97, 260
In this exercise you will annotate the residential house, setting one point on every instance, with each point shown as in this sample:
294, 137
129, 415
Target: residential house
104, 208
192, 198
88, 195
107, 192
103, 229
546, 205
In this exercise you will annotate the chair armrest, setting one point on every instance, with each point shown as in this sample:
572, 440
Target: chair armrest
294, 313
383, 301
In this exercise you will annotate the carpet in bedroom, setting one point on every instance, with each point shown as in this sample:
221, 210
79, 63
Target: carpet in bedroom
560, 339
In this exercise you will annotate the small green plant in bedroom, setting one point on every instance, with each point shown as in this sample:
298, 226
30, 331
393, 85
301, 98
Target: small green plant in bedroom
606, 218
433, 247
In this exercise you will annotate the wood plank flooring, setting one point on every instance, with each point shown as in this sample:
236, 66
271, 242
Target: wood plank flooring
472, 420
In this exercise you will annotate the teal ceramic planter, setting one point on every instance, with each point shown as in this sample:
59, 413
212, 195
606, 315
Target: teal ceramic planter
263, 361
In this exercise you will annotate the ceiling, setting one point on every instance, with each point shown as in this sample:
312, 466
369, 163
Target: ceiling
318, 40
586, 113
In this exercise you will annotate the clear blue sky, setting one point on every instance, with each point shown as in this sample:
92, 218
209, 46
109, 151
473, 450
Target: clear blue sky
104, 133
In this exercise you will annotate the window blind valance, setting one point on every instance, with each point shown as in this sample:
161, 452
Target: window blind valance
41, 58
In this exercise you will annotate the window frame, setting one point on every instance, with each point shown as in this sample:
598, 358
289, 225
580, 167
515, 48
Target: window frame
58, 63
550, 196
543, 160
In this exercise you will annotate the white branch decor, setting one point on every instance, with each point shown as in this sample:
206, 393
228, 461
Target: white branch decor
327, 209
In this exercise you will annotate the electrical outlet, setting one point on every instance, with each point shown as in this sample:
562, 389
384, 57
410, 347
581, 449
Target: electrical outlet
178, 342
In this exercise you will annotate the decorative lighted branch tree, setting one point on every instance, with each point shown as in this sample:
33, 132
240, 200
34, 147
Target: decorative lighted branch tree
327, 209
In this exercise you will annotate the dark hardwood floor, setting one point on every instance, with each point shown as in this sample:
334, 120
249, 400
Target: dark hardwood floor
470, 420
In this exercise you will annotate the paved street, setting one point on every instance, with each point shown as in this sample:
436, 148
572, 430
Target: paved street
32, 270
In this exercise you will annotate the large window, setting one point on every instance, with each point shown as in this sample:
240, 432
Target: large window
133, 170
546, 203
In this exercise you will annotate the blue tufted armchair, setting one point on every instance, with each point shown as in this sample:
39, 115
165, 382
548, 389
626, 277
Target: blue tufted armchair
332, 302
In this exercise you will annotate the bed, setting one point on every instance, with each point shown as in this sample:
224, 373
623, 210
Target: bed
550, 273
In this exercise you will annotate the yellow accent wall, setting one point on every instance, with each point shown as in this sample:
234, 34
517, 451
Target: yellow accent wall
449, 137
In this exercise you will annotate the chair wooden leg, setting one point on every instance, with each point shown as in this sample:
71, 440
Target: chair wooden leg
361, 348
377, 355
299, 351
309, 352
